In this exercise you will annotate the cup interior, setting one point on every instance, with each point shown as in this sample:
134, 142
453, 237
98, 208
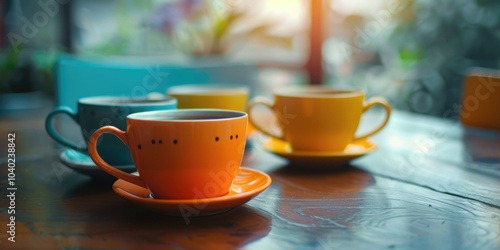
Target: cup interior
188, 115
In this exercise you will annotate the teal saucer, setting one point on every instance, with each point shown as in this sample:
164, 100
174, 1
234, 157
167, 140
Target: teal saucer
82, 163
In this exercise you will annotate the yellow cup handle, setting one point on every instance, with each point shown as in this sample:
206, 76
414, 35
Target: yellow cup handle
370, 103
105, 166
268, 104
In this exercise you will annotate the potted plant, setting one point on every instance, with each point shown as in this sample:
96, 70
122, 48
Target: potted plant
208, 28
24, 75
17, 80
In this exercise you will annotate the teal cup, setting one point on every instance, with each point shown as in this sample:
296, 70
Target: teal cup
96, 112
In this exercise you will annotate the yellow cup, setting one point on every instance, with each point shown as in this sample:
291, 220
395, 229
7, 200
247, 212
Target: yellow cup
216, 96
318, 118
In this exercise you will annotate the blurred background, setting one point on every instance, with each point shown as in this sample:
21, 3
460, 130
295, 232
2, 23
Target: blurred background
415, 53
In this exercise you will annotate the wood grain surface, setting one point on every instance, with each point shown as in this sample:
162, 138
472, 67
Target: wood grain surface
431, 185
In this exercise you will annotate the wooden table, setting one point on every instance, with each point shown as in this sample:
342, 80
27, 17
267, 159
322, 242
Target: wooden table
430, 185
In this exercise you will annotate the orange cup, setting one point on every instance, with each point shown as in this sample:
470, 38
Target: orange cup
481, 99
181, 154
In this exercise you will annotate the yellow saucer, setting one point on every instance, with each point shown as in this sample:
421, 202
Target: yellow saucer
247, 184
283, 149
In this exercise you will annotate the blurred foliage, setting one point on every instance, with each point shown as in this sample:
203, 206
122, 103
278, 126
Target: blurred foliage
26, 71
437, 42
419, 55
209, 28
45, 66
9, 61
450, 29
183, 27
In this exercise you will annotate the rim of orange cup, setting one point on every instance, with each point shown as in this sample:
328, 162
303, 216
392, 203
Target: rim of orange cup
178, 113
106, 101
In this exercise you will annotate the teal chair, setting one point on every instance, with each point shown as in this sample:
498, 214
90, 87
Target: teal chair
128, 76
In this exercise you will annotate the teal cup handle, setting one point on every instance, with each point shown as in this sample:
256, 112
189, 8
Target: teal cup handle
49, 126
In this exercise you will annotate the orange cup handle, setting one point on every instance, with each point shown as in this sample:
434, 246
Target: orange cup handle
261, 101
370, 103
105, 166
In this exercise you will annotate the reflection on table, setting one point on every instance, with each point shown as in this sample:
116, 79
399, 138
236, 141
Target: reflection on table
431, 183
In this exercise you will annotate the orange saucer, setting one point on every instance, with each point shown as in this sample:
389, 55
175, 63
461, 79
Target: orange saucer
247, 184
353, 150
